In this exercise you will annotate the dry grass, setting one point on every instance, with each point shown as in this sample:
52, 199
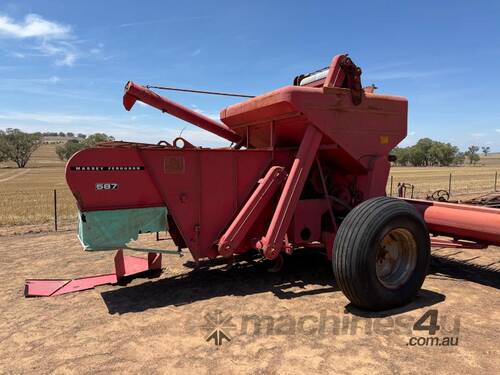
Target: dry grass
464, 181
26, 196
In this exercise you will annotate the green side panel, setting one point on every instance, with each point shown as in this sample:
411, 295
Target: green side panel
113, 229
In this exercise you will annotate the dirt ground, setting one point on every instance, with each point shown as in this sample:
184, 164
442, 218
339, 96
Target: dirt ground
160, 325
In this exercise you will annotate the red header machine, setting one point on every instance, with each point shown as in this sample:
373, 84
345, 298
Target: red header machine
307, 167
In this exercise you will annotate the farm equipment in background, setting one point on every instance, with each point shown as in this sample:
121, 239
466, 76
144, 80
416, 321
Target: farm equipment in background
307, 168
403, 187
491, 200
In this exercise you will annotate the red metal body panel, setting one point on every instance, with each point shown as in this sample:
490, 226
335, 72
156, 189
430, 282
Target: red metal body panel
306, 224
123, 166
202, 188
214, 198
380, 120
335, 75
125, 266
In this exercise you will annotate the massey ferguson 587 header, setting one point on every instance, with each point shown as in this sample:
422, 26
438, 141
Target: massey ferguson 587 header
307, 168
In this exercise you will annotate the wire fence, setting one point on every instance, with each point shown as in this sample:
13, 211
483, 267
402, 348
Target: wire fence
34, 207
53, 207
456, 184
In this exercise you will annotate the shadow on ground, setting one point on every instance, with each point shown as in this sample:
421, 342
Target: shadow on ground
442, 266
424, 298
449, 267
248, 276
305, 273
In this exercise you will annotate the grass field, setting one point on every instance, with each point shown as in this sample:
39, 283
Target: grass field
465, 180
26, 196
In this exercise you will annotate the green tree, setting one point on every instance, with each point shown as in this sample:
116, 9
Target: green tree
472, 154
459, 158
421, 152
417, 156
18, 146
96, 138
402, 156
427, 152
73, 145
3, 148
442, 154
69, 148
486, 150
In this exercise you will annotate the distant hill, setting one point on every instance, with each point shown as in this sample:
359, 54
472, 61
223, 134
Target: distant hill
57, 139
491, 160
45, 156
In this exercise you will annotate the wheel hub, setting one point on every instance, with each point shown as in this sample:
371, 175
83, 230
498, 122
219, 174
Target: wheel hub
396, 258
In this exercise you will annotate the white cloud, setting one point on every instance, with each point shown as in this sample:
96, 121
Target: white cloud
64, 52
34, 26
48, 38
68, 60
498, 130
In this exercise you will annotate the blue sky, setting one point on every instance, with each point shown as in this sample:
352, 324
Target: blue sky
63, 64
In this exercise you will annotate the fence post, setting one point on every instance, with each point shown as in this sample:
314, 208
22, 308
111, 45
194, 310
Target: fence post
449, 185
496, 178
55, 210
391, 186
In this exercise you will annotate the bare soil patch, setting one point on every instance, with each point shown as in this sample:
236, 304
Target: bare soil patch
158, 325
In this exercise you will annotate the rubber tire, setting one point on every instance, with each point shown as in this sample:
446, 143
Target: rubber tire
355, 249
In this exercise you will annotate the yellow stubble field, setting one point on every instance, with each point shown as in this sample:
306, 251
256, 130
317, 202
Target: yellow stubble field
26, 195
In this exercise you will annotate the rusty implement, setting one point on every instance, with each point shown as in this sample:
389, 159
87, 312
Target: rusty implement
491, 200
307, 168
125, 266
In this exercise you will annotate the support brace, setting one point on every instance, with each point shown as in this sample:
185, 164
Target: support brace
272, 243
237, 231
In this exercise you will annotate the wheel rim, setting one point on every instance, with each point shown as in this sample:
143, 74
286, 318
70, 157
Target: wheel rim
396, 258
